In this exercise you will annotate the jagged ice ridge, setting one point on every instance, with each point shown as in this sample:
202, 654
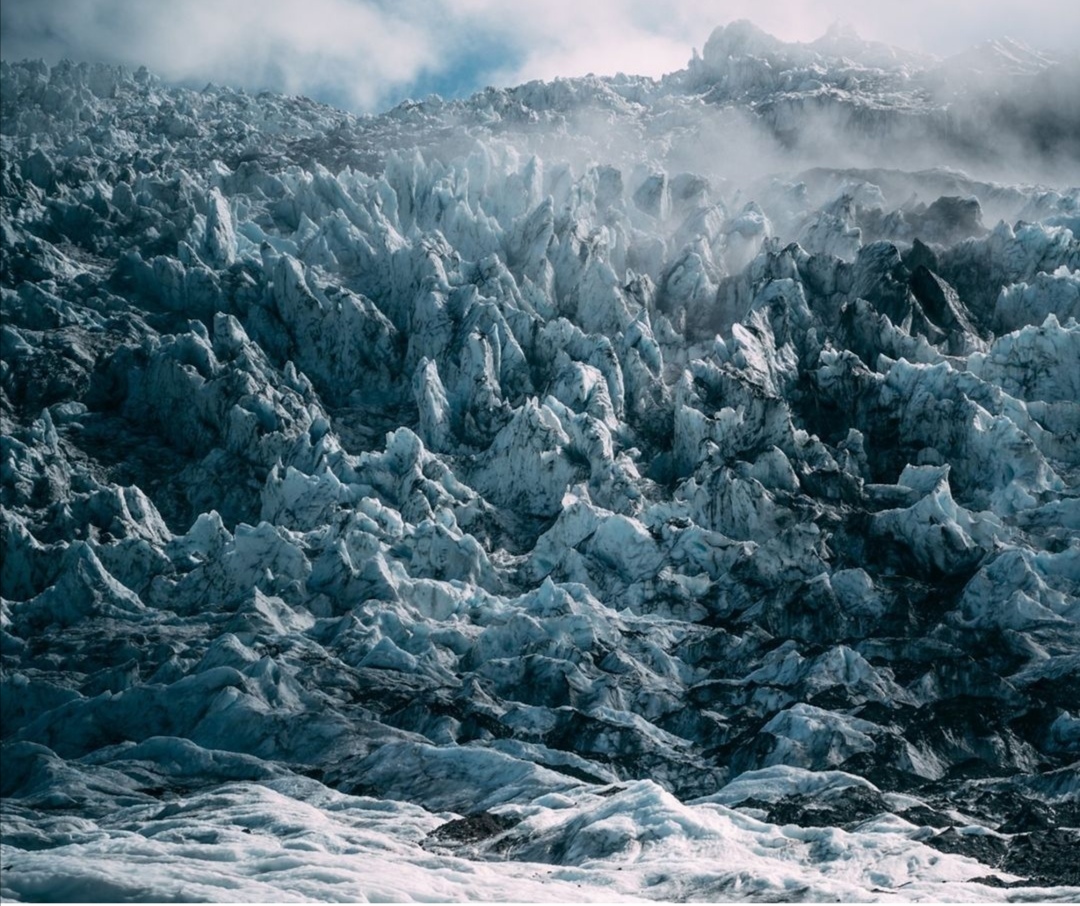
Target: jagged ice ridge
607, 488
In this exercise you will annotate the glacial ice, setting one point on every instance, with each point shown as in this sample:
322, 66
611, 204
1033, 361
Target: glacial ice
503, 498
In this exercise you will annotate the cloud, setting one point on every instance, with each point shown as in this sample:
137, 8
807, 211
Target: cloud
357, 52
368, 54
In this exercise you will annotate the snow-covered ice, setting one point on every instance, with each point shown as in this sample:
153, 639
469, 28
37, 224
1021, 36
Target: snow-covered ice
591, 490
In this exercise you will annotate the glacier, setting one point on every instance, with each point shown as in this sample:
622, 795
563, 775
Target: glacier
603, 489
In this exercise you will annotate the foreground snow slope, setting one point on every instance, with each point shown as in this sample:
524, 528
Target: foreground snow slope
574, 492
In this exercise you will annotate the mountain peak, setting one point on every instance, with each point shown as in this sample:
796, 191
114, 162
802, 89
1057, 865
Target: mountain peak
740, 38
841, 29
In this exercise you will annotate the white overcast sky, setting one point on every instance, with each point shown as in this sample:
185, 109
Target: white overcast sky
371, 54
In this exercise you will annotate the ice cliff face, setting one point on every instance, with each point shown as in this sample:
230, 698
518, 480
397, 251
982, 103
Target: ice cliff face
559, 494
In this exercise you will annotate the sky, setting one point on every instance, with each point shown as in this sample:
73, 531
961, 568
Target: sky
367, 55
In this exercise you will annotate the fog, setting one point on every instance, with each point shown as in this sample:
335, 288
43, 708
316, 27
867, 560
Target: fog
367, 55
